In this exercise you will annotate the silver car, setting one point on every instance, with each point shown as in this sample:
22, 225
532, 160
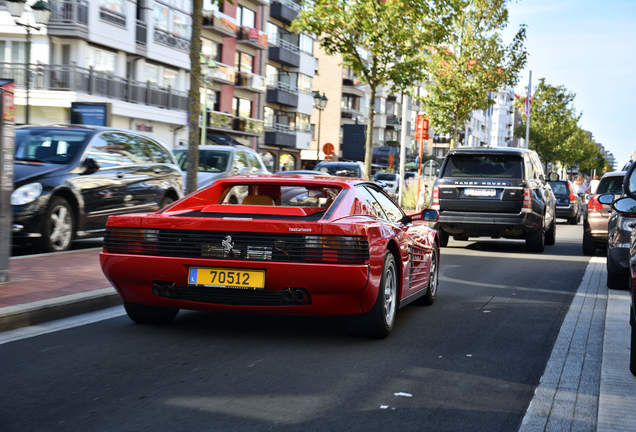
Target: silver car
221, 161
619, 231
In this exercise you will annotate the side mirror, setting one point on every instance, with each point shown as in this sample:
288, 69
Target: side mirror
625, 205
606, 199
426, 215
90, 165
629, 184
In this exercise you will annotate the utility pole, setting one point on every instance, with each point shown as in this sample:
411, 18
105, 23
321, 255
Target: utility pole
405, 113
528, 110
194, 97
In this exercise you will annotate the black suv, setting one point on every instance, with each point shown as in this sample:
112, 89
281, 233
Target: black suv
495, 192
67, 180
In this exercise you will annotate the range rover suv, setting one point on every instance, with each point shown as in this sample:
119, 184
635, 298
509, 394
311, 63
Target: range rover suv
495, 192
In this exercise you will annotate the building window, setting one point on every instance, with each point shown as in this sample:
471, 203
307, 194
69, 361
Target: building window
245, 17
217, 101
303, 122
151, 73
269, 117
272, 33
161, 16
181, 24
212, 50
113, 5
101, 60
170, 77
313, 132
304, 83
271, 76
306, 44
244, 62
242, 107
350, 102
210, 5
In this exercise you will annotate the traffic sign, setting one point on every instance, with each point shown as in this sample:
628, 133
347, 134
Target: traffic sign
328, 148
421, 128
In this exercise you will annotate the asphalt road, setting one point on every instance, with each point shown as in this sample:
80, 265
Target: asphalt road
469, 362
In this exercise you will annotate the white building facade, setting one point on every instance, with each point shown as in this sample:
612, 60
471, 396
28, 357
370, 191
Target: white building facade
131, 55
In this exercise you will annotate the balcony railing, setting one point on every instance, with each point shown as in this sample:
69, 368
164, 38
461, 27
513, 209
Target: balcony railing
90, 81
171, 40
249, 125
250, 81
223, 73
219, 120
112, 17
69, 12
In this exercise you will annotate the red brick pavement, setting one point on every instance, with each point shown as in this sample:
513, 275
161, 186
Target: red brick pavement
43, 277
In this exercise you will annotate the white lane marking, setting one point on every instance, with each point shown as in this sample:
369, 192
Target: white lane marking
61, 324
403, 394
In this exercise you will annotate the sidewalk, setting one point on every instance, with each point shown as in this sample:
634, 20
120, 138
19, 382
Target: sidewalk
51, 286
586, 385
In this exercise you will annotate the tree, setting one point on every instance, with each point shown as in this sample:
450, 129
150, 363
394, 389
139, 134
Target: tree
194, 100
382, 41
471, 62
553, 121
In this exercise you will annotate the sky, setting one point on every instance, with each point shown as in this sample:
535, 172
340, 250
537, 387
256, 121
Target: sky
590, 48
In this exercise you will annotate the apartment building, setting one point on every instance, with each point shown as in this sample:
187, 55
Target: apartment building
129, 57
234, 48
289, 73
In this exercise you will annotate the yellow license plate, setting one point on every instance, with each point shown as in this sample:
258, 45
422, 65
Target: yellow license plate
227, 278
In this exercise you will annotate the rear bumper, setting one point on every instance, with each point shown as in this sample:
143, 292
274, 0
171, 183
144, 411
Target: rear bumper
489, 224
333, 289
566, 212
596, 228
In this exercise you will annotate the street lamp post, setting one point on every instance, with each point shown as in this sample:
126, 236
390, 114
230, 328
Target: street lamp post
42, 13
320, 101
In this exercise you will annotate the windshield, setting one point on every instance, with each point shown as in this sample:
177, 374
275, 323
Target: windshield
613, 185
342, 170
483, 165
385, 176
211, 161
58, 146
559, 188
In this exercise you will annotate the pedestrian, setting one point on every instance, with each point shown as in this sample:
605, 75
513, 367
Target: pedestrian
591, 189
580, 186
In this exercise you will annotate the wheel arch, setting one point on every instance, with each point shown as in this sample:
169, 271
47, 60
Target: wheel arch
393, 248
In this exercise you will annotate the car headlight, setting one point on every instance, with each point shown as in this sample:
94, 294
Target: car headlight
26, 194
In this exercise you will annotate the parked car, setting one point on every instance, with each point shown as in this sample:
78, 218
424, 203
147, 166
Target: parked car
627, 207
568, 204
68, 179
596, 215
342, 169
495, 192
389, 181
221, 161
319, 246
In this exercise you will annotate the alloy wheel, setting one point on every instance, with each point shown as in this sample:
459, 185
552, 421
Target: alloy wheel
390, 294
61, 227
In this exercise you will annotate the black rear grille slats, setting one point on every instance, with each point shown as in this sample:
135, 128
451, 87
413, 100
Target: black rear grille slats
244, 246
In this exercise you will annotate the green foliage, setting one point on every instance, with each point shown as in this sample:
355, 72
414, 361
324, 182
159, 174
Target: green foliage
471, 61
381, 41
554, 130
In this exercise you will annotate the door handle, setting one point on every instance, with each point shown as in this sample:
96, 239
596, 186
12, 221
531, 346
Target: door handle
156, 170
120, 175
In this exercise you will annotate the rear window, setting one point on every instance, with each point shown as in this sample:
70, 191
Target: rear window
314, 196
560, 188
385, 176
613, 185
483, 165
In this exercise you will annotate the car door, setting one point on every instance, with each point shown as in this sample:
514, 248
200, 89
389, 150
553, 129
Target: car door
546, 192
103, 190
412, 238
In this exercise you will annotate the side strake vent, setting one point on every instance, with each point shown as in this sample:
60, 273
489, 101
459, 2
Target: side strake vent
238, 245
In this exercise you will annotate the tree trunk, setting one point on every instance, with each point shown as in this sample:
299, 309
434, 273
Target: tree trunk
368, 154
194, 96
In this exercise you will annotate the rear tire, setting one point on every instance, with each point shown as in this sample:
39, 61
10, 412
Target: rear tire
379, 321
588, 246
535, 242
433, 281
617, 278
142, 314
443, 238
550, 234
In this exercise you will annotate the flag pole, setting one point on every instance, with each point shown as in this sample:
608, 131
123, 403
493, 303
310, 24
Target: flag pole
528, 110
